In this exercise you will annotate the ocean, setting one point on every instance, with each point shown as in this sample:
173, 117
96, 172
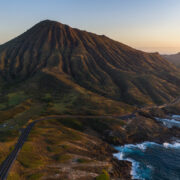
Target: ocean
152, 161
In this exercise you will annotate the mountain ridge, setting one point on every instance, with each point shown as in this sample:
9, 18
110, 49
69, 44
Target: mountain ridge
173, 58
85, 60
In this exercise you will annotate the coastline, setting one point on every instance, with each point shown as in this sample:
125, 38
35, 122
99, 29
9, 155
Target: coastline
138, 169
100, 136
168, 138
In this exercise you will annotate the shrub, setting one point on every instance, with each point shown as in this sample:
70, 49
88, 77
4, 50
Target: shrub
103, 176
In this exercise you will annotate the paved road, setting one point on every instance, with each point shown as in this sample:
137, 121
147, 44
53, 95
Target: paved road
8, 162
6, 165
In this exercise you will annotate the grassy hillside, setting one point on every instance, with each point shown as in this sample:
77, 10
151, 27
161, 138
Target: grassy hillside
67, 154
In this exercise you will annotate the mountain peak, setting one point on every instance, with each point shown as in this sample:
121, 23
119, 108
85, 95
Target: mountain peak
94, 62
49, 22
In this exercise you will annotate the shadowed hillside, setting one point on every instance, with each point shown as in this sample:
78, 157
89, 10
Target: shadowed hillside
73, 69
174, 59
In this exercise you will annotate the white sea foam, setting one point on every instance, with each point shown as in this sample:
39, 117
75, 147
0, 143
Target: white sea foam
143, 146
135, 167
119, 156
174, 145
176, 116
128, 148
135, 164
174, 121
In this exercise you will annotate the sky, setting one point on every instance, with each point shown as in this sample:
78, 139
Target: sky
149, 25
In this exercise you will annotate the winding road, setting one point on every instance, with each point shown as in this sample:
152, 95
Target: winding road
8, 162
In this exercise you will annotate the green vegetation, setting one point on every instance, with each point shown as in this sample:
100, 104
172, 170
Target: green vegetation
49, 149
3, 106
52, 142
61, 158
14, 111
13, 176
82, 160
15, 98
98, 125
8, 135
44, 139
47, 98
35, 176
72, 123
103, 176
28, 159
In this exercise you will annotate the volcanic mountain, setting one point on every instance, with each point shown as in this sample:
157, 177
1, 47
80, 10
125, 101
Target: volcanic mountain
173, 58
54, 61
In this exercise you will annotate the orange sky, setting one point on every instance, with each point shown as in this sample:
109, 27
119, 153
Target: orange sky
150, 25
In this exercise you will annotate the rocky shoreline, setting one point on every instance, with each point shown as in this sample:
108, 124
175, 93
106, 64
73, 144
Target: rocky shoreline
142, 128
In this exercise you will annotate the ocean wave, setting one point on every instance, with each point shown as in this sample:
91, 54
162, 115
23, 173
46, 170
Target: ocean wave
142, 146
128, 148
176, 116
172, 122
174, 145
142, 172
136, 171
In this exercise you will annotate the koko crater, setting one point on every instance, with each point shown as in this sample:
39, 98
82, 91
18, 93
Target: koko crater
68, 96
90, 62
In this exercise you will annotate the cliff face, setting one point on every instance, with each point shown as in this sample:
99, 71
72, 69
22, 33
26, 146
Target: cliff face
89, 61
